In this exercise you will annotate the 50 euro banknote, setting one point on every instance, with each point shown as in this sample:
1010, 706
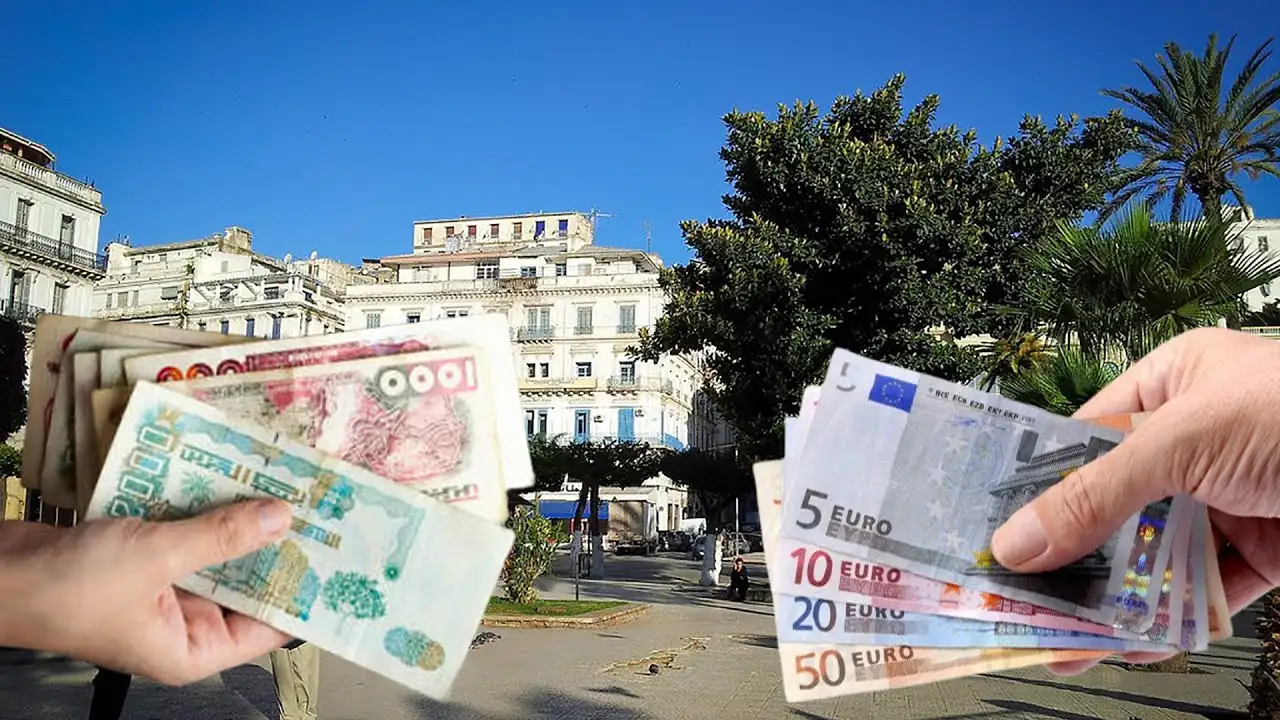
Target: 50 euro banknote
375, 573
427, 420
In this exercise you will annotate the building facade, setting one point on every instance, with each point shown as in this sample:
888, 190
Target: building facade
49, 222
575, 310
1261, 235
219, 284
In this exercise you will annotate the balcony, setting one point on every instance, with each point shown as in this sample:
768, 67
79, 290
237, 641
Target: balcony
42, 248
665, 440
583, 330
1271, 333
24, 313
627, 328
559, 385
536, 333
624, 383
135, 312
52, 181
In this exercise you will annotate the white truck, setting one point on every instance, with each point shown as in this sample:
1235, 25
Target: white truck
633, 527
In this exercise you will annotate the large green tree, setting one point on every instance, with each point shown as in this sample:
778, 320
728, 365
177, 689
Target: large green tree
1198, 134
865, 227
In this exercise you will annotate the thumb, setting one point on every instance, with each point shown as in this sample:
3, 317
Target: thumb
220, 535
1080, 513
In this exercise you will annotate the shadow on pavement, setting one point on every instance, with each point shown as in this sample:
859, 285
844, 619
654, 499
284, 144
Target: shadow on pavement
764, 641
1210, 712
545, 704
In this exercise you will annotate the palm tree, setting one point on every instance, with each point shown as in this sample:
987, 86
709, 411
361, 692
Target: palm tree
1194, 138
1009, 357
1064, 383
1120, 290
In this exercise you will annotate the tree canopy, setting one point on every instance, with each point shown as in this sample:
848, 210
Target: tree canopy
716, 478
865, 228
13, 377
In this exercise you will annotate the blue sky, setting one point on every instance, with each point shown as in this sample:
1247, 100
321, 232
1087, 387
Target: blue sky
332, 126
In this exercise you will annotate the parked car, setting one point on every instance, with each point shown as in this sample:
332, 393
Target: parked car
675, 541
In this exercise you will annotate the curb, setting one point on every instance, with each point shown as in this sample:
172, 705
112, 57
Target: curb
598, 618
754, 594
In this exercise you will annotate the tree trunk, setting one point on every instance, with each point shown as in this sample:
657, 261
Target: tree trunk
711, 560
711, 555
577, 527
597, 548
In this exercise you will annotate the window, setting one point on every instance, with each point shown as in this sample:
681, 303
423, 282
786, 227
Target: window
226, 327
539, 229
531, 369
169, 293
562, 269
413, 317
248, 327
584, 321
457, 312
271, 293
544, 369
226, 265
471, 231
373, 320
493, 230
202, 326
1263, 245
225, 292
134, 299
535, 423
486, 269
426, 234
627, 372
122, 299
59, 298
23, 216
275, 327
448, 231
583, 369
517, 231
67, 234
110, 300
581, 425
627, 318
626, 424
528, 271
539, 317
563, 227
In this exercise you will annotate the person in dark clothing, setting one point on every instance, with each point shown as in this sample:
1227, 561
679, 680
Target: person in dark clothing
738, 580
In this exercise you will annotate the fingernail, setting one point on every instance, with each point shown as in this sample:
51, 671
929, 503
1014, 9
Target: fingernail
274, 516
1020, 539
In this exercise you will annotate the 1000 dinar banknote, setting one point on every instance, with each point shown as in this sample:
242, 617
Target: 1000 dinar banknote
373, 572
489, 332
426, 419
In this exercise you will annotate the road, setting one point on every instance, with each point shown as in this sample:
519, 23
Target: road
716, 660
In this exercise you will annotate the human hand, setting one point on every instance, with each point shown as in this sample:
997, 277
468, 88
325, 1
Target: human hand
103, 591
1211, 433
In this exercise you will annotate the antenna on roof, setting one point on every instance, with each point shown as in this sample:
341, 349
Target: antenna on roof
648, 237
592, 215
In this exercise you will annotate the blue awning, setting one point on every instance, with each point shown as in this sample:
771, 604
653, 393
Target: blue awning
564, 509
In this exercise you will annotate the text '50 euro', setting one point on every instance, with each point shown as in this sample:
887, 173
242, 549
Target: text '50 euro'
376, 573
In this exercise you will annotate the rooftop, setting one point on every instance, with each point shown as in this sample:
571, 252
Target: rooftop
28, 150
483, 218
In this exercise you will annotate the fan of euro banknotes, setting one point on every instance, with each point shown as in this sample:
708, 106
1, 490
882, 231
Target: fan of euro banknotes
395, 446
877, 526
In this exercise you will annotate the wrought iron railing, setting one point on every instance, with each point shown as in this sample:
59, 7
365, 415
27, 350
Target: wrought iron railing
23, 239
24, 313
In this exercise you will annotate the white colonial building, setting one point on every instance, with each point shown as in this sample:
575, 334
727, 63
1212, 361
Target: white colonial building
1261, 235
49, 222
219, 284
575, 309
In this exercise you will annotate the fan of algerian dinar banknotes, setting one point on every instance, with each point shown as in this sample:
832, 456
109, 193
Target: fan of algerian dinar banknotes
877, 527
395, 446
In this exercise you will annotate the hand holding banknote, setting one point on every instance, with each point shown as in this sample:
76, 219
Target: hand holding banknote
113, 602
1211, 432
